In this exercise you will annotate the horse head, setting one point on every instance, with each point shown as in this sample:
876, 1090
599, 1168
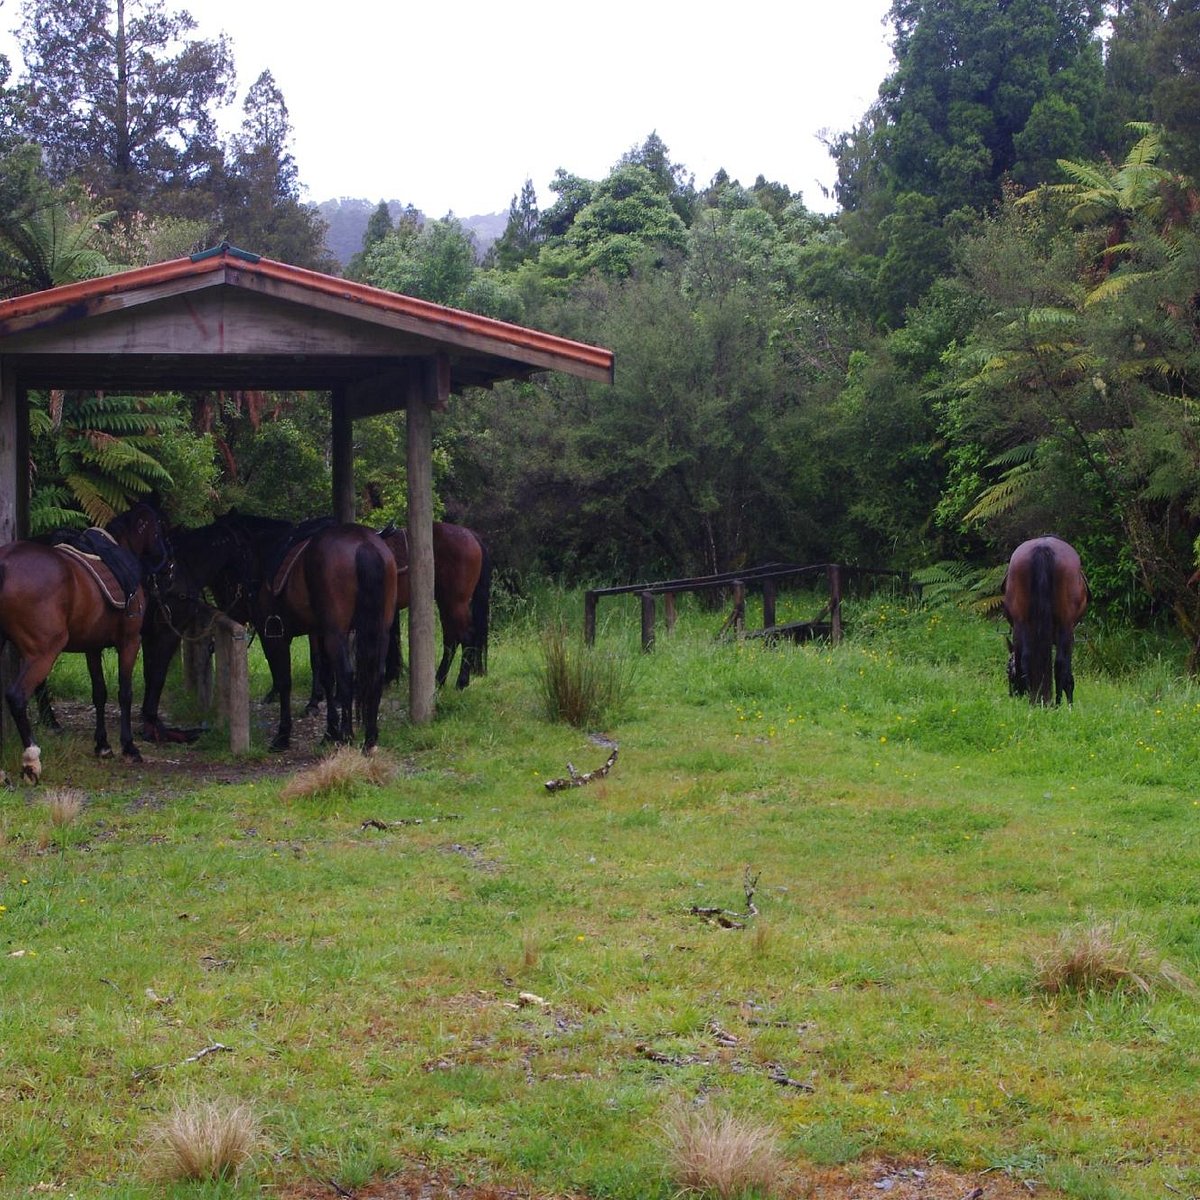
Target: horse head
142, 530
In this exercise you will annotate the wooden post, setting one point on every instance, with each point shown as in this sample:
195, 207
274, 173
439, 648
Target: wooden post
589, 618
233, 681
647, 622
428, 387
341, 441
835, 603
768, 603
198, 670
739, 606
669, 610
14, 499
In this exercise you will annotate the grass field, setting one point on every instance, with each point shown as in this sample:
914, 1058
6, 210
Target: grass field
460, 968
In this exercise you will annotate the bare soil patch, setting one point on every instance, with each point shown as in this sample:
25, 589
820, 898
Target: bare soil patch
170, 767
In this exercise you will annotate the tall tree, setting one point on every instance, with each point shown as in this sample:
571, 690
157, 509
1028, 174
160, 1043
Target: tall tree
119, 94
261, 206
672, 179
1175, 59
522, 234
969, 75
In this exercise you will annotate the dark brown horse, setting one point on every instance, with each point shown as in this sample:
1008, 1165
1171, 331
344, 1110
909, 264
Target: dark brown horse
462, 574
1045, 596
336, 581
51, 601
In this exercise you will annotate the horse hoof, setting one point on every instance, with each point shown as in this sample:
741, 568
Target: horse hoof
31, 764
311, 710
104, 752
278, 744
131, 756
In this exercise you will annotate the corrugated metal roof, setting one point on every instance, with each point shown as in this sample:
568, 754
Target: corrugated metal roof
484, 348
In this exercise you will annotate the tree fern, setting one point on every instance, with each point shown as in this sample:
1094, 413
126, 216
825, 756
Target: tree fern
99, 448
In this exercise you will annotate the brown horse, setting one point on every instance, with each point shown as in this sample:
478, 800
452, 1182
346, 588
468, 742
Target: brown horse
462, 573
1045, 596
51, 601
331, 583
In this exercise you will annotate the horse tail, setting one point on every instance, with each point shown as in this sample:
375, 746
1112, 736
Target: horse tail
481, 603
1041, 624
370, 624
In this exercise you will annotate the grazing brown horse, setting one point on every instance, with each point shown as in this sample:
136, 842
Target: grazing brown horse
51, 601
331, 583
1045, 596
462, 574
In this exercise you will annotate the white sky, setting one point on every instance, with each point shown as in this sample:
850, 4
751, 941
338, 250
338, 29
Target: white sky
451, 107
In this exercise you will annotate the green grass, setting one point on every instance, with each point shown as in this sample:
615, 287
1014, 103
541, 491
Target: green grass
919, 838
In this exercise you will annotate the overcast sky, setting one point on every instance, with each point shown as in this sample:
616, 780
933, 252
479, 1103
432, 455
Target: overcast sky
452, 107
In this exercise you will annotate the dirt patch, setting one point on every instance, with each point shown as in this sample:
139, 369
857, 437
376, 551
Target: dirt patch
879, 1180
171, 767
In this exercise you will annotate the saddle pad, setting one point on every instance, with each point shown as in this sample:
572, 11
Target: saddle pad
109, 586
285, 568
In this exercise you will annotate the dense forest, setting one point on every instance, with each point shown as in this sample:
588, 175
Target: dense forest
996, 335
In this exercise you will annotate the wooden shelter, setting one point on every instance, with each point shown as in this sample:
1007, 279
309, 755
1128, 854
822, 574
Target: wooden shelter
226, 320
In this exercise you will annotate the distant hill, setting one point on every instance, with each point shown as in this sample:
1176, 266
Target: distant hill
347, 220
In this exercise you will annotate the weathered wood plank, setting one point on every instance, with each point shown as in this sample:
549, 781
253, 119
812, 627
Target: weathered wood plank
422, 397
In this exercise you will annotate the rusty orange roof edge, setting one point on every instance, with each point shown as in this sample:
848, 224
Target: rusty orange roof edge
518, 336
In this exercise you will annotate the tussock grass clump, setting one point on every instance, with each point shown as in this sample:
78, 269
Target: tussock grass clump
339, 774
204, 1139
64, 805
1102, 958
581, 685
720, 1154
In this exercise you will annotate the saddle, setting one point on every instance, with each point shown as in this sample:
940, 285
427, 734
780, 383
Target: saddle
116, 571
283, 556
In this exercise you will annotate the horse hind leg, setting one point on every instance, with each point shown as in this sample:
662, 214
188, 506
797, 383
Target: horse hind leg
338, 673
30, 675
1064, 676
99, 698
127, 653
45, 706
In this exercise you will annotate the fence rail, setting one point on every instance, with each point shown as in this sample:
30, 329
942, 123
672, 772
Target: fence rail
766, 577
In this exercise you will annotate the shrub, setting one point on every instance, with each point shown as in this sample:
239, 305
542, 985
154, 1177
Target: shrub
582, 686
338, 774
63, 804
1100, 958
204, 1139
723, 1155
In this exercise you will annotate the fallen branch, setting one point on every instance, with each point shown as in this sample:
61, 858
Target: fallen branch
778, 1074
775, 1072
376, 823
215, 1048
726, 918
575, 779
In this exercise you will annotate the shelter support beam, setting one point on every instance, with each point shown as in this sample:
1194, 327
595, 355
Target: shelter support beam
427, 389
14, 499
341, 435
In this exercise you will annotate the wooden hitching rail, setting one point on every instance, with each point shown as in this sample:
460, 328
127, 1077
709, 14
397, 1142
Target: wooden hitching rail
767, 576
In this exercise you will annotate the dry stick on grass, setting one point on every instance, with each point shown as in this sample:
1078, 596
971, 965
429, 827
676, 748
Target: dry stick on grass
575, 779
376, 823
215, 1048
725, 918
